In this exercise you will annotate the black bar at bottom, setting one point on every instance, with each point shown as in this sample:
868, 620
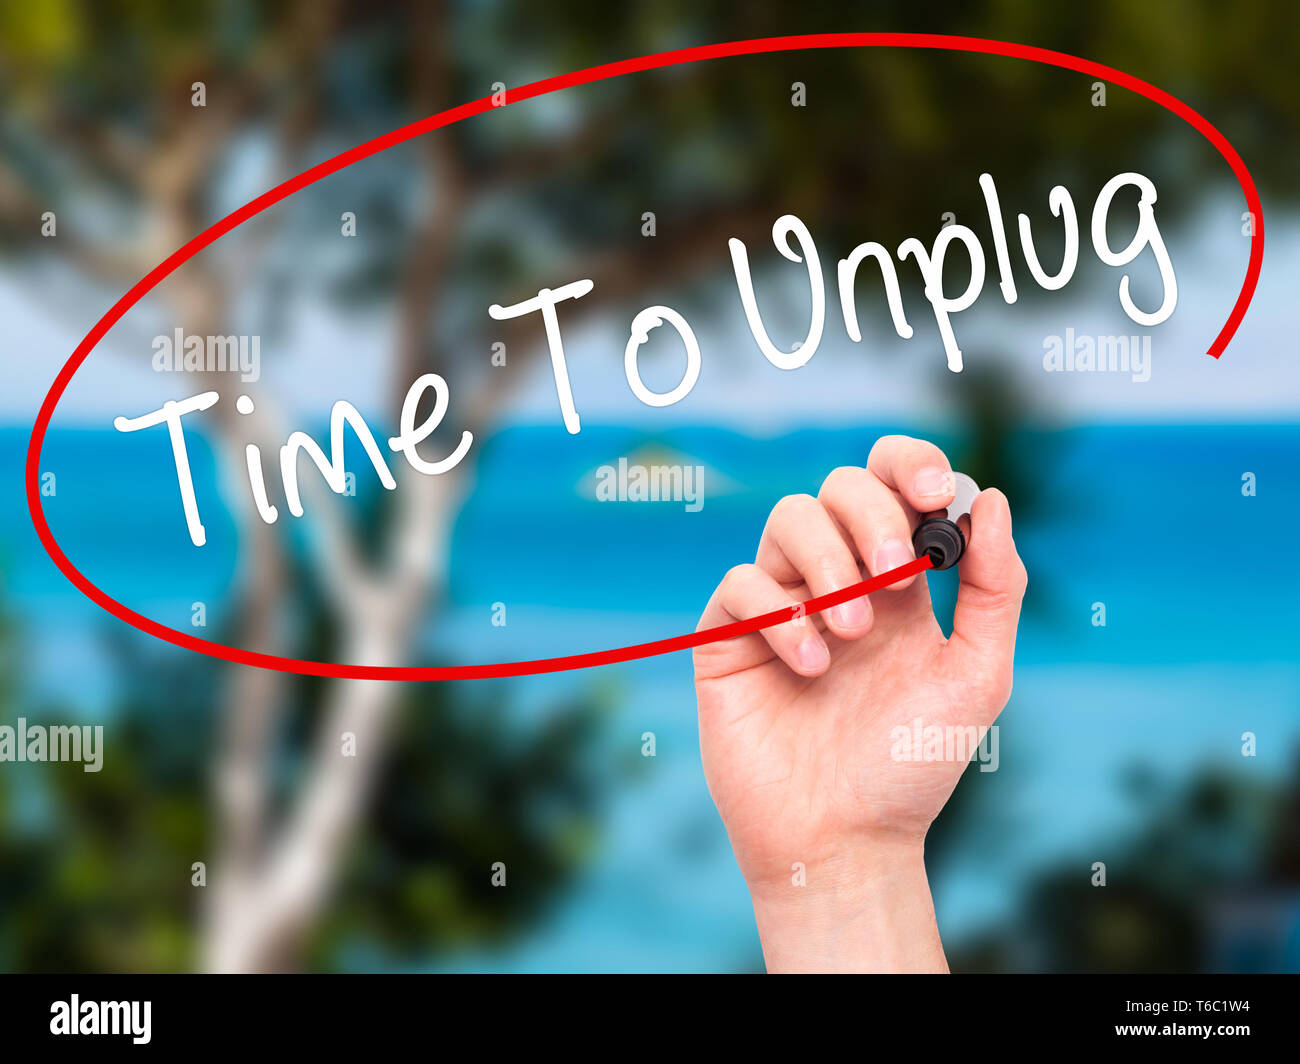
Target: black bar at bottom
342, 1013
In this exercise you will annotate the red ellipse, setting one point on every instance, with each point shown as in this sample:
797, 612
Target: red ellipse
540, 88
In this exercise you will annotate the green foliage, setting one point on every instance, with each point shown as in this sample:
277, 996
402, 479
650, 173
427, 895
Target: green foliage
465, 787
1220, 836
95, 867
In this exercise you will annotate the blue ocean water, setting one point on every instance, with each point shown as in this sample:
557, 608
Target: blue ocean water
1151, 520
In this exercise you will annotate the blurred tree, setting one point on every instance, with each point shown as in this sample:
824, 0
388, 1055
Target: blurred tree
95, 868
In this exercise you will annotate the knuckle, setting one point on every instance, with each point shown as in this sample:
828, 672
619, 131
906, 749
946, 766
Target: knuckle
924, 453
1020, 579
990, 600
840, 480
800, 503
790, 518
738, 575
991, 687
791, 506
830, 562
889, 443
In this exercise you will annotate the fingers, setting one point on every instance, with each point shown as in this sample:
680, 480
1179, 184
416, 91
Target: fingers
863, 518
746, 592
993, 581
803, 544
916, 469
877, 522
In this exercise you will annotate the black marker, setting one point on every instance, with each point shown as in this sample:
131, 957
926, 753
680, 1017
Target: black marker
938, 534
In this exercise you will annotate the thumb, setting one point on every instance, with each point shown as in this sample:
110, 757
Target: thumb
993, 578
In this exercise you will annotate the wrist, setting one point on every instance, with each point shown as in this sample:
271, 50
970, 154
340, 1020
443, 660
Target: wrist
866, 908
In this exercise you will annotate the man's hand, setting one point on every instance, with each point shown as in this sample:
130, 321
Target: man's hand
796, 720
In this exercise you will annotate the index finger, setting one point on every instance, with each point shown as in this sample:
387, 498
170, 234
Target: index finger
916, 469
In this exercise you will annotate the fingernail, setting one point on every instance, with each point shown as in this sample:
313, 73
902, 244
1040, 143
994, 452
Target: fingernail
891, 554
813, 655
852, 614
933, 482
